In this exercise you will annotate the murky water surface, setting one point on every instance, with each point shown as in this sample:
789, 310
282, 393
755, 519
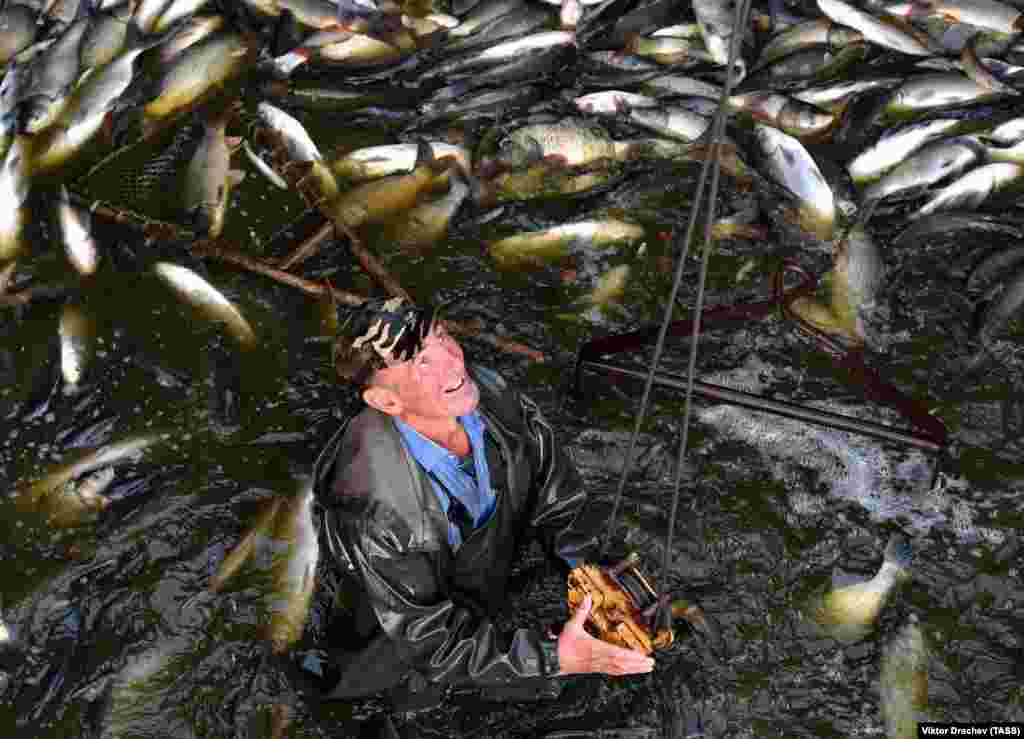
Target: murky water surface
122, 637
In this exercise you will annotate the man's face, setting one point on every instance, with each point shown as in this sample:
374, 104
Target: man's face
433, 384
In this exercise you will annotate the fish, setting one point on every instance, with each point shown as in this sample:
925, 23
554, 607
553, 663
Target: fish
191, 32
207, 299
300, 147
106, 455
428, 223
76, 332
857, 276
928, 166
558, 242
788, 114
78, 502
716, 19
371, 162
672, 121
380, 199
18, 29
50, 79
975, 187
922, 92
263, 168
789, 164
262, 527
904, 681
988, 14
851, 609
209, 178
895, 145
820, 31
14, 186
611, 286
293, 571
888, 36
570, 143
76, 235
197, 70
103, 40
506, 51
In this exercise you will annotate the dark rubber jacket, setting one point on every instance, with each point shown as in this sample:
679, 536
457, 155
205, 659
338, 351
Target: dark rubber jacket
423, 614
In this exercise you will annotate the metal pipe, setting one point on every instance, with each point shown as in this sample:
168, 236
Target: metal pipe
777, 407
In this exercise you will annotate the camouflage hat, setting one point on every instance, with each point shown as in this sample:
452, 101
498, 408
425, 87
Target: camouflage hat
381, 333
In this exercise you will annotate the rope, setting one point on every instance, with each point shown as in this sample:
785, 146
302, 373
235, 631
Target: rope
711, 165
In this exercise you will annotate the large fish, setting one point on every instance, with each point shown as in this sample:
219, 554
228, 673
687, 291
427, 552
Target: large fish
293, 571
557, 242
875, 30
14, 185
207, 299
381, 199
102, 456
851, 609
210, 178
904, 682
428, 223
76, 235
789, 164
197, 70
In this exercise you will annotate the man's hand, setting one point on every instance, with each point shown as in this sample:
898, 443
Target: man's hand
579, 652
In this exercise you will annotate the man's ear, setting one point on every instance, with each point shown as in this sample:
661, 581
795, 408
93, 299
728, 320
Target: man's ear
383, 399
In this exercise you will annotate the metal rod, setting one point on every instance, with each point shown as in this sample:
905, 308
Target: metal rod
778, 407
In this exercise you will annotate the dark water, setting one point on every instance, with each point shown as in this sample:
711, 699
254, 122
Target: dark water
769, 509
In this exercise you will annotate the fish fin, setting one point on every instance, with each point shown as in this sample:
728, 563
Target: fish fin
899, 551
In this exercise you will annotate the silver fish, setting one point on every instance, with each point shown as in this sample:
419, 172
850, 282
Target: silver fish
18, 30
207, 299
300, 146
715, 18
76, 332
78, 501
673, 121
14, 184
924, 91
904, 682
76, 233
974, 188
873, 29
851, 609
789, 164
293, 570
198, 69
50, 80
895, 146
931, 164
380, 161
102, 456
263, 168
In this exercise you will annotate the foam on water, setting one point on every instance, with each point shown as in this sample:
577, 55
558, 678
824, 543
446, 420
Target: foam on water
889, 483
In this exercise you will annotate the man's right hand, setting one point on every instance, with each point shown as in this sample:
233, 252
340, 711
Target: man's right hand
579, 652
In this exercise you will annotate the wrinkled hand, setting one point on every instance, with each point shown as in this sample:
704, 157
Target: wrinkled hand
579, 652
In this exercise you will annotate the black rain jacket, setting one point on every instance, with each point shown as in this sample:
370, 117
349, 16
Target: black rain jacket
423, 613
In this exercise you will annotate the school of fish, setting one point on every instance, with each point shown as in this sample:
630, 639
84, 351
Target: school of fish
839, 116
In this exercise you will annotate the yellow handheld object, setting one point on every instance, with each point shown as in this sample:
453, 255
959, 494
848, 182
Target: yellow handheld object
624, 604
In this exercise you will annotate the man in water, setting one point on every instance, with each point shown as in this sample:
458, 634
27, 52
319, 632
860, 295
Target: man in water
425, 497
